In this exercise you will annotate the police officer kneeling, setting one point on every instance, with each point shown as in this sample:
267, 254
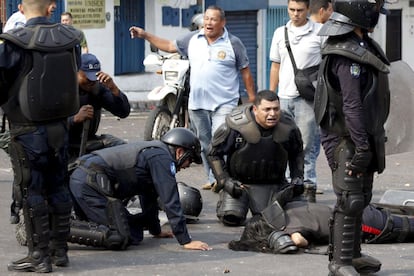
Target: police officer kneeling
107, 177
259, 142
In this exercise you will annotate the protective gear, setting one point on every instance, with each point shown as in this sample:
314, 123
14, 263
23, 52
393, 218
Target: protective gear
118, 221
281, 242
233, 187
99, 181
354, 194
350, 14
89, 233
115, 236
182, 137
375, 95
60, 229
190, 199
360, 161
258, 160
275, 216
232, 211
37, 229
21, 171
197, 22
366, 264
47, 47
122, 159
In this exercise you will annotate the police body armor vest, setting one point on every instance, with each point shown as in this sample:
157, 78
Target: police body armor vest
47, 87
122, 159
258, 160
375, 96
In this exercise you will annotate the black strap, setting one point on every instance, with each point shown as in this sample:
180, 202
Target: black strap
3, 124
295, 69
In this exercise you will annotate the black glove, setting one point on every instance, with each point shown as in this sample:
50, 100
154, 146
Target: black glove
298, 188
360, 161
285, 195
233, 187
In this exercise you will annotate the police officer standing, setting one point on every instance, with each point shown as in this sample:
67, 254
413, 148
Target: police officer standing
38, 85
351, 107
107, 177
249, 155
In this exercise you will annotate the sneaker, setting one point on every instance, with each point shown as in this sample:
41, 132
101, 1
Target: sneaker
207, 186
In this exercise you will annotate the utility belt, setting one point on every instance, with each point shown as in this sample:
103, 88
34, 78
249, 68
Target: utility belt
97, 178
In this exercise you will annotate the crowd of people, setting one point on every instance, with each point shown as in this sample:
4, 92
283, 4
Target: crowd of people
72, 184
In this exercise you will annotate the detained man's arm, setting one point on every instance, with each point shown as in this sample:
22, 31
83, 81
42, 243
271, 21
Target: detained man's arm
161, 43
274, 76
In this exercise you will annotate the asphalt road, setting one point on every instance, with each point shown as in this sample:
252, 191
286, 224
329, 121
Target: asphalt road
167, 257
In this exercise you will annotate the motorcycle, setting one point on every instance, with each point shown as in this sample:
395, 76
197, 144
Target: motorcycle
172, 108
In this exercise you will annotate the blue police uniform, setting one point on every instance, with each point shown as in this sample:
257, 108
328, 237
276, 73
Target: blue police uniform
144, 168
38, 129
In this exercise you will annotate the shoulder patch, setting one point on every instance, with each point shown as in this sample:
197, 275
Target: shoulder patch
355, 70
173, 169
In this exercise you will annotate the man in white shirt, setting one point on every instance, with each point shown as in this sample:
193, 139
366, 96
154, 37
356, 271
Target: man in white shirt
306, 48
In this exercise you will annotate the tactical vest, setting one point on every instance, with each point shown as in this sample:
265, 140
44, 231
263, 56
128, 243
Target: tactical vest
122, 159
258, 160
47, 87
375, 97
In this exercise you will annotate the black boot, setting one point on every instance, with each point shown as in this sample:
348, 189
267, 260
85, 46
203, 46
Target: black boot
37, 232
343, 246
36, 261
363, 264
60, 228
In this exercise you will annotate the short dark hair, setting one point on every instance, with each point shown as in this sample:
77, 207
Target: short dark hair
315, 5
217, 8
299, 1
66, 13
267, 95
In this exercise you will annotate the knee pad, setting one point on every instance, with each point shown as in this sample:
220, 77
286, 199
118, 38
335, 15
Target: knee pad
232, 211
351, 204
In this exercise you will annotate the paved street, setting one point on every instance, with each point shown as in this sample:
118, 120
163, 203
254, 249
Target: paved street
166, 257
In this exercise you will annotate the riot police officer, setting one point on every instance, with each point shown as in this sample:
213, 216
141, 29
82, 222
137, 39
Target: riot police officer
107, 176
351, 107
249, 155
38, 66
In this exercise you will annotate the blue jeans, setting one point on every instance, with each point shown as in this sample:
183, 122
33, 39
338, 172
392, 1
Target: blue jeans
204, 123
302, 112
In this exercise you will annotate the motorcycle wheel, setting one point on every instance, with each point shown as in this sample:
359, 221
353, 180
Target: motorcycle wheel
157, 124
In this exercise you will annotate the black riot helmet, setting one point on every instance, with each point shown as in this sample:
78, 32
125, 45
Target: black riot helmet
191, 200
349, 14
182, 137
